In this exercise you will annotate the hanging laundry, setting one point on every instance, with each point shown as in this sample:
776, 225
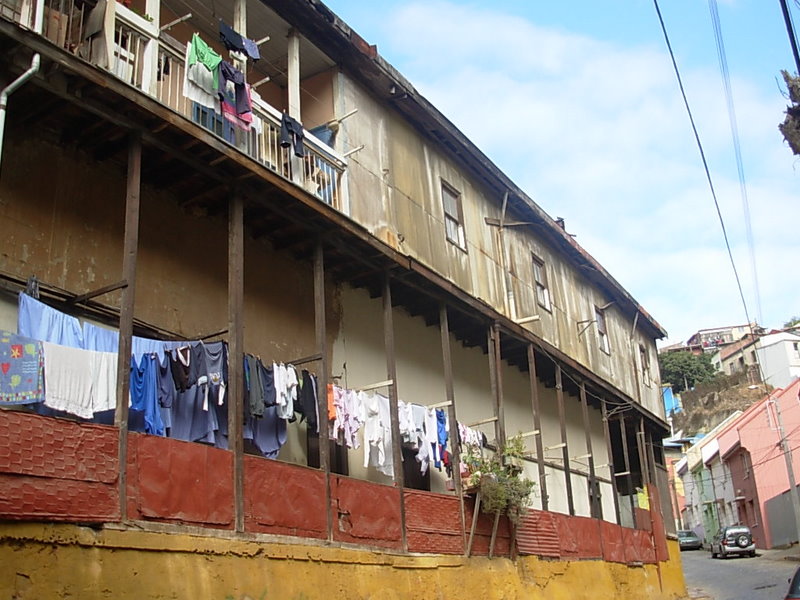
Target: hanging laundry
349, 415
200, 52
200, 83
306, 405
68, 377
166, 391
267, 433
423, 456
230, 74
292, 135
38, 321
99, 338
285, 389
255, 396
104, 369
405, 418
377, 434
235, 42
144, 393
432, 436
21, 370
181, 364
216, 362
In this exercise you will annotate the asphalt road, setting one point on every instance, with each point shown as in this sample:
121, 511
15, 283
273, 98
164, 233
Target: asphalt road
735, 578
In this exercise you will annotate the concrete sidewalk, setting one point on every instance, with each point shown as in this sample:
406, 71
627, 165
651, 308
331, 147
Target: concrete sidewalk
792, 553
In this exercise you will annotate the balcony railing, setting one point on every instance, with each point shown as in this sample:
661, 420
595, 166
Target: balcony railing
137, 53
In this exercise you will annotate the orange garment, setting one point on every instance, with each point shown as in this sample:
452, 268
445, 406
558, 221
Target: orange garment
331, 407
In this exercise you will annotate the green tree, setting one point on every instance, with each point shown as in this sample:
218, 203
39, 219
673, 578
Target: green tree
684, 370
795, 320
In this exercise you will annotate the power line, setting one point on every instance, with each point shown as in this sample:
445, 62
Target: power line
703, 158
726, 81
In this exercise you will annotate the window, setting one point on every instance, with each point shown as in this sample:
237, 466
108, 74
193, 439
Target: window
644, 362
540, 281
602, 331
453, 216
745, 466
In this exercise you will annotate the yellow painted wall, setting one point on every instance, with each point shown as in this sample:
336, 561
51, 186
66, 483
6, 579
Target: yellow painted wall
62, 561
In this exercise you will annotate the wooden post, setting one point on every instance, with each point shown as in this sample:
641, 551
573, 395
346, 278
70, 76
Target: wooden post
564, 441
324, 423
627, 459
391, 374
537, 425
235, 393
644, 462
610, 452
240, 25
447, 362
498, 378
293, 74
596, 508
129, 257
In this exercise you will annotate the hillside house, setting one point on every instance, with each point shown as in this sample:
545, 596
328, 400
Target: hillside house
317, 211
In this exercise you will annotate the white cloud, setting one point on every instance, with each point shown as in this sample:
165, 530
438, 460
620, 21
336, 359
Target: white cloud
597, 133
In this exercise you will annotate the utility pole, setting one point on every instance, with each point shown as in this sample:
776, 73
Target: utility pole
787, 455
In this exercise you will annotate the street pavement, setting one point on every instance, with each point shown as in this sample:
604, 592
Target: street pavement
761, 578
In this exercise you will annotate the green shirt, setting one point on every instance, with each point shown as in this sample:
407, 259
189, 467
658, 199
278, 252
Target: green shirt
201, 52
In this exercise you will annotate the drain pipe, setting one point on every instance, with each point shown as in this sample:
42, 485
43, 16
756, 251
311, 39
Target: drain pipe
19, 81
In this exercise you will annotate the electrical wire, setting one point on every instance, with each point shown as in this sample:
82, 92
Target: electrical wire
703, 158
726, 82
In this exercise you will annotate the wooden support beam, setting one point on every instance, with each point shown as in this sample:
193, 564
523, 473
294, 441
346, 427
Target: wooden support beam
129, 257
391, 373
610, 451
627, 461
322, 378
447, 362
641, 446
537, 423
293, 74
595, 506
98, 292
235, 393
499, 404
562, 419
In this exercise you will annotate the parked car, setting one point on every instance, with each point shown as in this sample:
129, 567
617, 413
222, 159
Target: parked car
733, 540
688, 540
794, 586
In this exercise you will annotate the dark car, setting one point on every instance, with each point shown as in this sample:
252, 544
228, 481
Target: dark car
688, 540
733, 540
794, 586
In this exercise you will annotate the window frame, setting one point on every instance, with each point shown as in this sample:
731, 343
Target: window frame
602, 329
458, 219
541, 286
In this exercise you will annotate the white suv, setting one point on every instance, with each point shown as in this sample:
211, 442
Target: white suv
734, 539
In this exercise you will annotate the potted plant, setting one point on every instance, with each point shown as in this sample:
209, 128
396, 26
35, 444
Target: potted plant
503, 488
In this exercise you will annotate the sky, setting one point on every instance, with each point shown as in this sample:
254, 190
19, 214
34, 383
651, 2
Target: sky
578, 103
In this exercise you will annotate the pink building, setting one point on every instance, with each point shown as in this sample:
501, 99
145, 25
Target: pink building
751, 448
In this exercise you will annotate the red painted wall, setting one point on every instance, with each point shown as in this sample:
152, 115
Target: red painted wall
57, 470
365, 513
175, 481
433, 523
284, 499
483, 532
